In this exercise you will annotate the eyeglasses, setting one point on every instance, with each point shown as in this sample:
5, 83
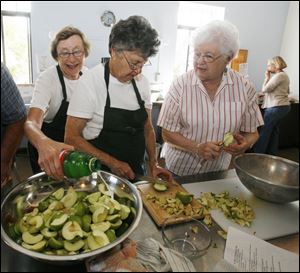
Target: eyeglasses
76, 54
136, 66
206, 57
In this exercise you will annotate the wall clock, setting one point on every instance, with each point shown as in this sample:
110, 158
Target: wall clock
108, 18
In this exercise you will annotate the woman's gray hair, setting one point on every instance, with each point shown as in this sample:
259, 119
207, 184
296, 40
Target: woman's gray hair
134, 34
222, 33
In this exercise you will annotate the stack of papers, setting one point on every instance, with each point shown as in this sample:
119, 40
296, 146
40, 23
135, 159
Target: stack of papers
248, 253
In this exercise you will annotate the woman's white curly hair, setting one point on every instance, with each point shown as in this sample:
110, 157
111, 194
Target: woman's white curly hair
222, 33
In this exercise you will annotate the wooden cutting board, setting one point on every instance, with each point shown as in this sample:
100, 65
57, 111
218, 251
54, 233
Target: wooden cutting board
158, 214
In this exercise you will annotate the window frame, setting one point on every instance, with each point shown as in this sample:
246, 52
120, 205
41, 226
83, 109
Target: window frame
190, 29
18, 14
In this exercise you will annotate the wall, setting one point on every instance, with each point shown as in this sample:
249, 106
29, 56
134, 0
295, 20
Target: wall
290, 48
52, 16
261, 26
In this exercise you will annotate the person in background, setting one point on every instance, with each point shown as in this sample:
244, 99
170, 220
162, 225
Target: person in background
276, 105
45, 124
13, 116
113, 122
205, 103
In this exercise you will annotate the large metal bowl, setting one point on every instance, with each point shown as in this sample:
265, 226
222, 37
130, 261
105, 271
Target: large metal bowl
40, 185
268, 177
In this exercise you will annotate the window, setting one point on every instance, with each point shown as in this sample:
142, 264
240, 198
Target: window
190, 17
15, 40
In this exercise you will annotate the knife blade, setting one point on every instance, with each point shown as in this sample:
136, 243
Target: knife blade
148, 179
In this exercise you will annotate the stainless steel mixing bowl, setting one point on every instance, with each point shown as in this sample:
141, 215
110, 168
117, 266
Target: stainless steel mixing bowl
40, 185
268, 177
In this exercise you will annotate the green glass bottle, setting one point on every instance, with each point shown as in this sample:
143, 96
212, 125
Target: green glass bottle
78, 164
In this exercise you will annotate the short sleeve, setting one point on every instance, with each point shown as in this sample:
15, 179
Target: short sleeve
252, 115
43, 89
83, 103
12, 105
145, 92
169, 117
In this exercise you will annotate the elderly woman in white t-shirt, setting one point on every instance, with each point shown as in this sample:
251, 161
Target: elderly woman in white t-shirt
110, 115
207, 102
45, 125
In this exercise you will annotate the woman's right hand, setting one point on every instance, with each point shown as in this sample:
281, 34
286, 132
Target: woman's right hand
122, 169
209, 150
49, 151
267, 74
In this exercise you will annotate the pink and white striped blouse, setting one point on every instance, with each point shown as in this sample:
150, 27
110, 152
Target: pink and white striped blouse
188, 110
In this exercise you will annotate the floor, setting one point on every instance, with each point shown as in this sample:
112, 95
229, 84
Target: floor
22, 169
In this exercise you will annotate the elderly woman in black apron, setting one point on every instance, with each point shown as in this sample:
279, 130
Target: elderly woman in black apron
113, 122
45, 125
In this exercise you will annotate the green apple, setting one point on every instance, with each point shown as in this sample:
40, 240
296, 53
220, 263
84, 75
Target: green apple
111, 235
86, 222
31, 239
71, 229
56, 244
35, 223
73, 246
47, 233
124, 212
58, 221
70, 198
228, 139
59, 194
36, 247
99, 215
103, 226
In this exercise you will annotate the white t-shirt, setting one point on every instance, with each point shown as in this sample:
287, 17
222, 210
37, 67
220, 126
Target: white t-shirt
48, 95
89, 100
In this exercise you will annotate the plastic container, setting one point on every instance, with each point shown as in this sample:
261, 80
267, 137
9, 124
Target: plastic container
78, 164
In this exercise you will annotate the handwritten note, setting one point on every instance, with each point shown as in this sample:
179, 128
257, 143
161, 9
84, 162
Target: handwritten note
251, 254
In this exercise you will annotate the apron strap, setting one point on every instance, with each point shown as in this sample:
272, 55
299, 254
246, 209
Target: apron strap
62, 82
137, 93
106, 77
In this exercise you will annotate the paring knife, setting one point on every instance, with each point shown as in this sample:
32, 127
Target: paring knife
148, 179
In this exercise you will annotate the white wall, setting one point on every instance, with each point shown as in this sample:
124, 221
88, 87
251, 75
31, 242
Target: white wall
52, 16
261, 26
290, 48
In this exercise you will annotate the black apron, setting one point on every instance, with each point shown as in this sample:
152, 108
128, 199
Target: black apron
55, 129
122, 135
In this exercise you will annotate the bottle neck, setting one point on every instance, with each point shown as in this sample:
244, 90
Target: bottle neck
62, 155
94, 164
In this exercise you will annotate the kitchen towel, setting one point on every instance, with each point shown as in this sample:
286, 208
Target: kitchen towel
155, 257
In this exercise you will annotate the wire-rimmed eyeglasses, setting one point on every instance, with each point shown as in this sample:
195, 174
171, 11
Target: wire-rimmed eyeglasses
138, 65
65, 54
208, 58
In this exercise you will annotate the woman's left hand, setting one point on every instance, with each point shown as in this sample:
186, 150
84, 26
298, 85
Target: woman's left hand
162, 173
239, 146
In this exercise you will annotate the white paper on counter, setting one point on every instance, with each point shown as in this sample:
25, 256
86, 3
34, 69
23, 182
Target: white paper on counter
251, 254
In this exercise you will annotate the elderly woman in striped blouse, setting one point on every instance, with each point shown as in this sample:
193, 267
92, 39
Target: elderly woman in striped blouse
207, 102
